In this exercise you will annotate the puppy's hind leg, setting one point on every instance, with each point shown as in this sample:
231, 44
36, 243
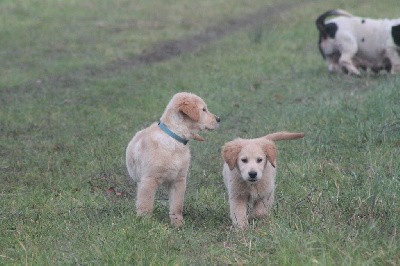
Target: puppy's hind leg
176, 200
347, 51
332, 61
346, 63
146, 191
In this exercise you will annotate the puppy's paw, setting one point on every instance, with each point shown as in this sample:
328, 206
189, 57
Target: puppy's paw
241, 224
177, 220
143, 212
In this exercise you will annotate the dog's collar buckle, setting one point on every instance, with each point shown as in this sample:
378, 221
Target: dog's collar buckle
164, 128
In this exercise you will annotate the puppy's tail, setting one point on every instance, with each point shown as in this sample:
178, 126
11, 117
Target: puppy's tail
283, 135
320, 22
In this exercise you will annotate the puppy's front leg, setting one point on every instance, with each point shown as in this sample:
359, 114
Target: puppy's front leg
238, 211
263, 207
176, 200
146, 191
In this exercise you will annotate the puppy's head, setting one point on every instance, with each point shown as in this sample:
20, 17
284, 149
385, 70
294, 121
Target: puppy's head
249, 156
190, 111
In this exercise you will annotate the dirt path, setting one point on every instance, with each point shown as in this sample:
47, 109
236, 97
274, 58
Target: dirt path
162, 51
165, 51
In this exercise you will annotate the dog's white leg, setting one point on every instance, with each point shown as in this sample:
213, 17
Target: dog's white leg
333, 65
348, 50
238, 212
176, 200
345, 61
394, 58
395, 69
146, 191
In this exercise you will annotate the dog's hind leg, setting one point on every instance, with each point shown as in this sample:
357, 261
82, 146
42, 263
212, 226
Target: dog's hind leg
348, 50
333, 65
346, 63
146, 191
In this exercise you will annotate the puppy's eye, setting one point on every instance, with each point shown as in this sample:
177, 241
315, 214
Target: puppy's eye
244, 160
259, 160
204, 109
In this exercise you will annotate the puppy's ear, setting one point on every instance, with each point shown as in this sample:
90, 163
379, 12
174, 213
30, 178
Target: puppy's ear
189, 107
270, 151
230, 153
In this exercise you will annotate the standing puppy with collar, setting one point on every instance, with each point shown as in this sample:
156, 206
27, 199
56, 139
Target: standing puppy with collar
249, 175
348, 43
160, 155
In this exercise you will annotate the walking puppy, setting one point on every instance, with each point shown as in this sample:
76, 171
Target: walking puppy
249, 175
159, 155
348, 43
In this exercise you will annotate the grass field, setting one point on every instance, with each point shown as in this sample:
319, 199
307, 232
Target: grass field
79, 78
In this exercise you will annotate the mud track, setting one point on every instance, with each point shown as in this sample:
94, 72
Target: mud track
159, 52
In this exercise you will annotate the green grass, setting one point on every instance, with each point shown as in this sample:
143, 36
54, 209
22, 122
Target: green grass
65, 123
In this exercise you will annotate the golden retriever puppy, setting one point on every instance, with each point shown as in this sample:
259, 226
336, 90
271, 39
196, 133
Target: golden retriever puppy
160, 155
249, 175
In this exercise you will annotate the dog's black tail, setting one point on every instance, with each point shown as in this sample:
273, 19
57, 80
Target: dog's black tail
320, 22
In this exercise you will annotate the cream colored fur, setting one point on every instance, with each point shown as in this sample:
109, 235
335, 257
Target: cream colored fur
154, 158
249, 176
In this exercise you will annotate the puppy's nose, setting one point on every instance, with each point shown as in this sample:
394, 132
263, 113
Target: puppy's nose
217, 118
252, 174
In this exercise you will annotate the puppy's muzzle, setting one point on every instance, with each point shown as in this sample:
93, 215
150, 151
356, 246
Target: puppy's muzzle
252, 176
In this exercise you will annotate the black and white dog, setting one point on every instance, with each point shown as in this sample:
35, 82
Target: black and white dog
348, 43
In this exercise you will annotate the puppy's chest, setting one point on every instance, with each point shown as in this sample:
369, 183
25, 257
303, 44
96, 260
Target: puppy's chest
175, 154
257, 192
177, 161
172, 160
